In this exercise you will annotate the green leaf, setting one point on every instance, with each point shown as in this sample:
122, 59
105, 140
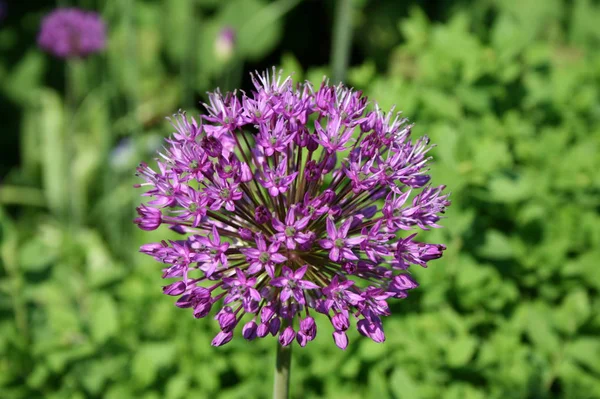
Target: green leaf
461, 351
497, 246
178, 387
104, 322
403, 385
35, 255
149, 359
54, 160
25, 78
540, 330
574, 312
585, 351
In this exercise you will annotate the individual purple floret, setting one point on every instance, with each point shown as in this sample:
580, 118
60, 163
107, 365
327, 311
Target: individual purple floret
295, 202
72, 33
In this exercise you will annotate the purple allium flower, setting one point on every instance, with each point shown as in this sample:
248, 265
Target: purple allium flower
284, 193
72, 33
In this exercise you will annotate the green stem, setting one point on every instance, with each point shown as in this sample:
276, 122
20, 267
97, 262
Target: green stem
72, 92
131, 62
9, 255
188, 64
342, 38
128, 8
281, 387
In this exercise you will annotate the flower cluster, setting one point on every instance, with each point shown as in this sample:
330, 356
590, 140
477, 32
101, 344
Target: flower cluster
72, 33
293, 202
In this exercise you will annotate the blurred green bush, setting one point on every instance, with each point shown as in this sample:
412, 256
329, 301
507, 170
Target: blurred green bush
509, 90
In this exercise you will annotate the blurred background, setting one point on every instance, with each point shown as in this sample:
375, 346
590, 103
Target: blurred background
508, 89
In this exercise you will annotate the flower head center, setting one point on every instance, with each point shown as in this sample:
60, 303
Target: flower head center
225, 193
290, 231
264, 257
339, 243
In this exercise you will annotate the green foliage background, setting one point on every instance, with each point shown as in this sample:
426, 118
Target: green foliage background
508, 89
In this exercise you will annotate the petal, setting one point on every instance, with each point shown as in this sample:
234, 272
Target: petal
327, 244
270, 269
301, 338
277, 225
278, 258
298, 274
307, 285
331, 231
334, 255
254, 267
250, 252
345, 227
254, 294
274, 247
286, 293
241, 276
291, 216
222, 338
298, 295
348, 254
302, 223
355, 240
279, 282
290, 243
216, 237
341, 339
260, 243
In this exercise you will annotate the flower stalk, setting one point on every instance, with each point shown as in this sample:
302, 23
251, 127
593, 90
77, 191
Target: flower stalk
342, 40
283, 362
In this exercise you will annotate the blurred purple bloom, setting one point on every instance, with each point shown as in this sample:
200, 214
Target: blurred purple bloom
72, 33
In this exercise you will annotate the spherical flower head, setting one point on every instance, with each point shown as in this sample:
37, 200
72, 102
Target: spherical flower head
292, 202
72, 33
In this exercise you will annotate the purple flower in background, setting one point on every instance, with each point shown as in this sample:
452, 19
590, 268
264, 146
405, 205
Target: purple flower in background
225, 43
72, 33
284, 193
